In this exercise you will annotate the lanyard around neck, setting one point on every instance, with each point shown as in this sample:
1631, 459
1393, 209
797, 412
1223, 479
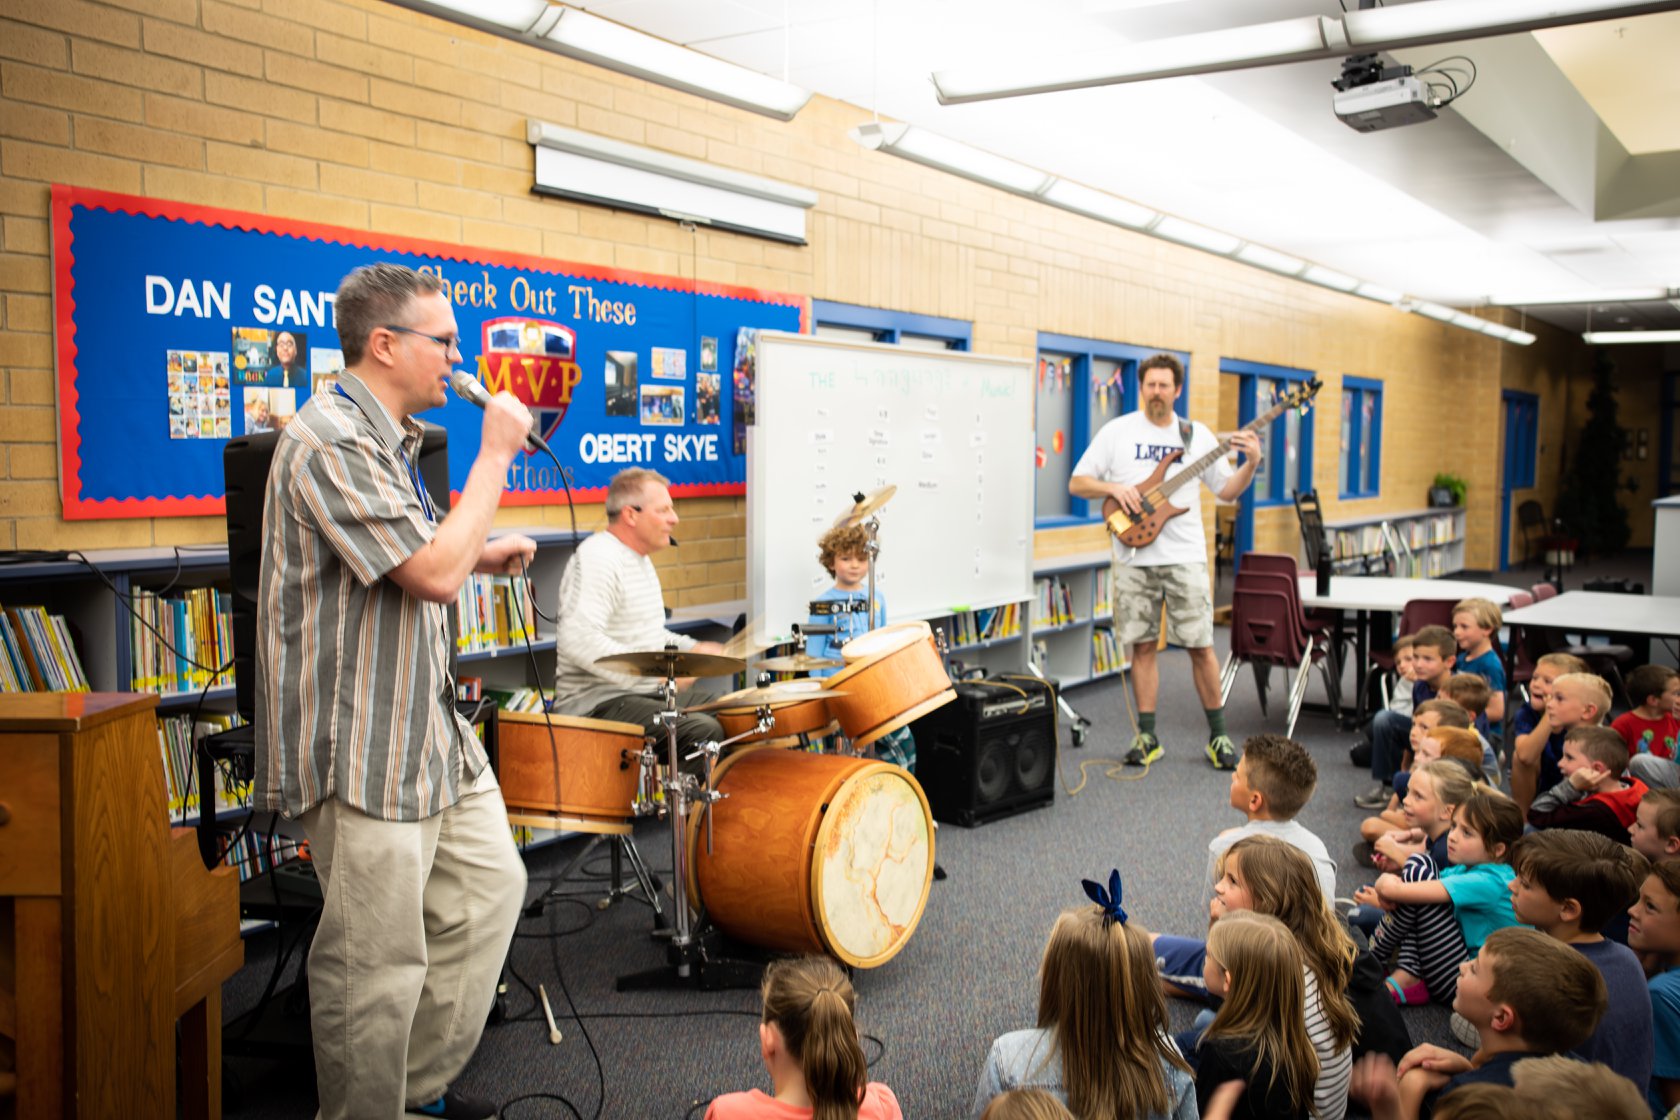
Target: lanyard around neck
414, 477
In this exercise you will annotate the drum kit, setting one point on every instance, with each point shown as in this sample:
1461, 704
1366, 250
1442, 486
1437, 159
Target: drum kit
788, 850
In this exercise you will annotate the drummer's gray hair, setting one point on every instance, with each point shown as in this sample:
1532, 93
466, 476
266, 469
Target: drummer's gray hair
628, 485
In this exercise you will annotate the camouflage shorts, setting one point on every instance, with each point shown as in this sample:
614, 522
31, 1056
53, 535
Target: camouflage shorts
1139, 592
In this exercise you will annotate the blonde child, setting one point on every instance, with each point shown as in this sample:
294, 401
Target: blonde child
844, 554
1574, 699
1101, 1044
1655, 832
1474, 623
1259, 1034
1652, 729
1532, 734
1595, 794
1343, 1004
1436, 733
809, 1045
1026, 1104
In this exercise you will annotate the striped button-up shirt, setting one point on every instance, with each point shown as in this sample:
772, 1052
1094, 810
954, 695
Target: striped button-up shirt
354, 697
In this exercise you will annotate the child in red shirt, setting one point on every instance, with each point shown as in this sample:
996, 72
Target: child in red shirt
1651, 728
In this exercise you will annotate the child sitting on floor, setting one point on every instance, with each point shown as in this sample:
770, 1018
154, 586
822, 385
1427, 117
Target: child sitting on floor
1595, 793
1654, 933
1532, 733
1471, 692
1474, 623
1101, 1046
1259, 1034
1438, 916
1568, 885
1433, 651
1272, 782
1655, 831
1574, 699
1651, 729
1428, 745
810, 1048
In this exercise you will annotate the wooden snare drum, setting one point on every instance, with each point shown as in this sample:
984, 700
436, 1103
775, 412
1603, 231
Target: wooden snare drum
599, 762
795, 724
892, 677
815, 853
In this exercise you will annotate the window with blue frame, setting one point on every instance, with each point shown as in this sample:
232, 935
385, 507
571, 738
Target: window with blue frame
899, 328
1286, 444
1082, 384
1360, 472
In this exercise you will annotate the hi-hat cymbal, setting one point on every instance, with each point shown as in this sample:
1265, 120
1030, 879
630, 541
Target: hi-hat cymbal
798, 663
865, 507
770, 696
672, 663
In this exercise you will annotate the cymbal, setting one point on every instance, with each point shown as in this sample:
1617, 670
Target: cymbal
865, 508
749, 642
770, 696
798, 663
671, 663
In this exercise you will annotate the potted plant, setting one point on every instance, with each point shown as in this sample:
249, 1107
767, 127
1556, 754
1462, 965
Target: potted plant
1447, 490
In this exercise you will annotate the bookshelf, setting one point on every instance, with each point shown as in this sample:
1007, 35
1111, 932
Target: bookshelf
1413, 544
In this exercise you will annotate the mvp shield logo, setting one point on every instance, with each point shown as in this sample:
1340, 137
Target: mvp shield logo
536, 361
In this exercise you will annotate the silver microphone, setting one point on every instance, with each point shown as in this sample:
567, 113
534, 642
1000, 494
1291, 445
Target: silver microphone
467, 387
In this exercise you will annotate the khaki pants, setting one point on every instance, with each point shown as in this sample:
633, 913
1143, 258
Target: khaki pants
416, 921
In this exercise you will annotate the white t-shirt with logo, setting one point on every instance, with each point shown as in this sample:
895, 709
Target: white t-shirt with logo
1128, 449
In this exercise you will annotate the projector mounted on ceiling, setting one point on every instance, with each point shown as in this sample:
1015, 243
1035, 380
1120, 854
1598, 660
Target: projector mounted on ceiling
1370, 97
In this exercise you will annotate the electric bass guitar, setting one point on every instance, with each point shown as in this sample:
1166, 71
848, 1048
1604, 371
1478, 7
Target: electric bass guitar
1153, 492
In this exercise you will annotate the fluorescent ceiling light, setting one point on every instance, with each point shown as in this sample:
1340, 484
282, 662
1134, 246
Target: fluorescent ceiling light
1293, 40
1330, 278
1379, 293
1271, 260
1585, 295
591, 39
1195, 236
1606, 338
1205, 52
935, 150
1097, 204
1431, 310
594, 169
1521, 338
1440, 21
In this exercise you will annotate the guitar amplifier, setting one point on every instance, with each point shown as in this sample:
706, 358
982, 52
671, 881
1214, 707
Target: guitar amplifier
991, 753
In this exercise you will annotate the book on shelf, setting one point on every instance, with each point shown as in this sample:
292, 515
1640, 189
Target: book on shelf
494, 612
1105, 651
1052, 602
516, 700
257, 852
1104, 604
40, 655
181, 644
178, 737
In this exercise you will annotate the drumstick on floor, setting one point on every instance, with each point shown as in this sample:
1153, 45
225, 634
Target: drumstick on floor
554, 1035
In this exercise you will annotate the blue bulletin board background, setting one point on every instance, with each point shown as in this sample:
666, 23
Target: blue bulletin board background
145, 292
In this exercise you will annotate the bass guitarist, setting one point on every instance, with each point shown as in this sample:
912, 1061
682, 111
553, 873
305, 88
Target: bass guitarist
1173, 567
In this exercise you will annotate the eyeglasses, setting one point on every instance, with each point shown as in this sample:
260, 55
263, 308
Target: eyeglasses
450, 345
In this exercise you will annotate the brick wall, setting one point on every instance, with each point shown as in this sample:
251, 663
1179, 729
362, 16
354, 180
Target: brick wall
362, 114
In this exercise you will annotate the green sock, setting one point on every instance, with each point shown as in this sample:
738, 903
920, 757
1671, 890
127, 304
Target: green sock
1216, 720
1146, 722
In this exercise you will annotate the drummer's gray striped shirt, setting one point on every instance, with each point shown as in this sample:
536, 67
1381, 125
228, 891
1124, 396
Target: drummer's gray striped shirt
354, 699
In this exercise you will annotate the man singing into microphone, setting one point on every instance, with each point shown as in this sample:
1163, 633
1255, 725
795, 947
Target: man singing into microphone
357, 735
611, 603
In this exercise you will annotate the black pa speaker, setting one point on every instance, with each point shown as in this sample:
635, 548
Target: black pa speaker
989, 754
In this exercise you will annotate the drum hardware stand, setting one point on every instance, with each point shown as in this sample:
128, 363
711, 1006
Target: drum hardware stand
694, 951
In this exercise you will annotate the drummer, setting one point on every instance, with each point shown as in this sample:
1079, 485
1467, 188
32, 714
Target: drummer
611, 603
844, 553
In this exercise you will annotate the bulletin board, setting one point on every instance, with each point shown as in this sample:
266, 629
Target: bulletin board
952, 431
179, 326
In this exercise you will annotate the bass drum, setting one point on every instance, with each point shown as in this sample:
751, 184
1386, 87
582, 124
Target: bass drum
815, 853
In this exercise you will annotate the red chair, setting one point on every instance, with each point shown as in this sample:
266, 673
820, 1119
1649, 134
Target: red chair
1521, 599
1414, 616
1266, 631
1287, 585
1543, 591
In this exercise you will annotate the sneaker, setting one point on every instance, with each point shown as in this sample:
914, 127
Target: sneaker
1222, 752
1362, 855
1376, 797
455, 1106
1145, 749
1465, 1031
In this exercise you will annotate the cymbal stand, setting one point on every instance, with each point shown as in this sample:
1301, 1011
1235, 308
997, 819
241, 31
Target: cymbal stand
873, 525
693, 963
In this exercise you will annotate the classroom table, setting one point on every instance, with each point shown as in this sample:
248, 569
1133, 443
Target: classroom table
1373, 595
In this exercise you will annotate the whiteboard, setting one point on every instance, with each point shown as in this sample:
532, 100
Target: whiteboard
952, 430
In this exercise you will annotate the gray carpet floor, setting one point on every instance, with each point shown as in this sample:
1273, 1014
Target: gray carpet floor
967, 975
